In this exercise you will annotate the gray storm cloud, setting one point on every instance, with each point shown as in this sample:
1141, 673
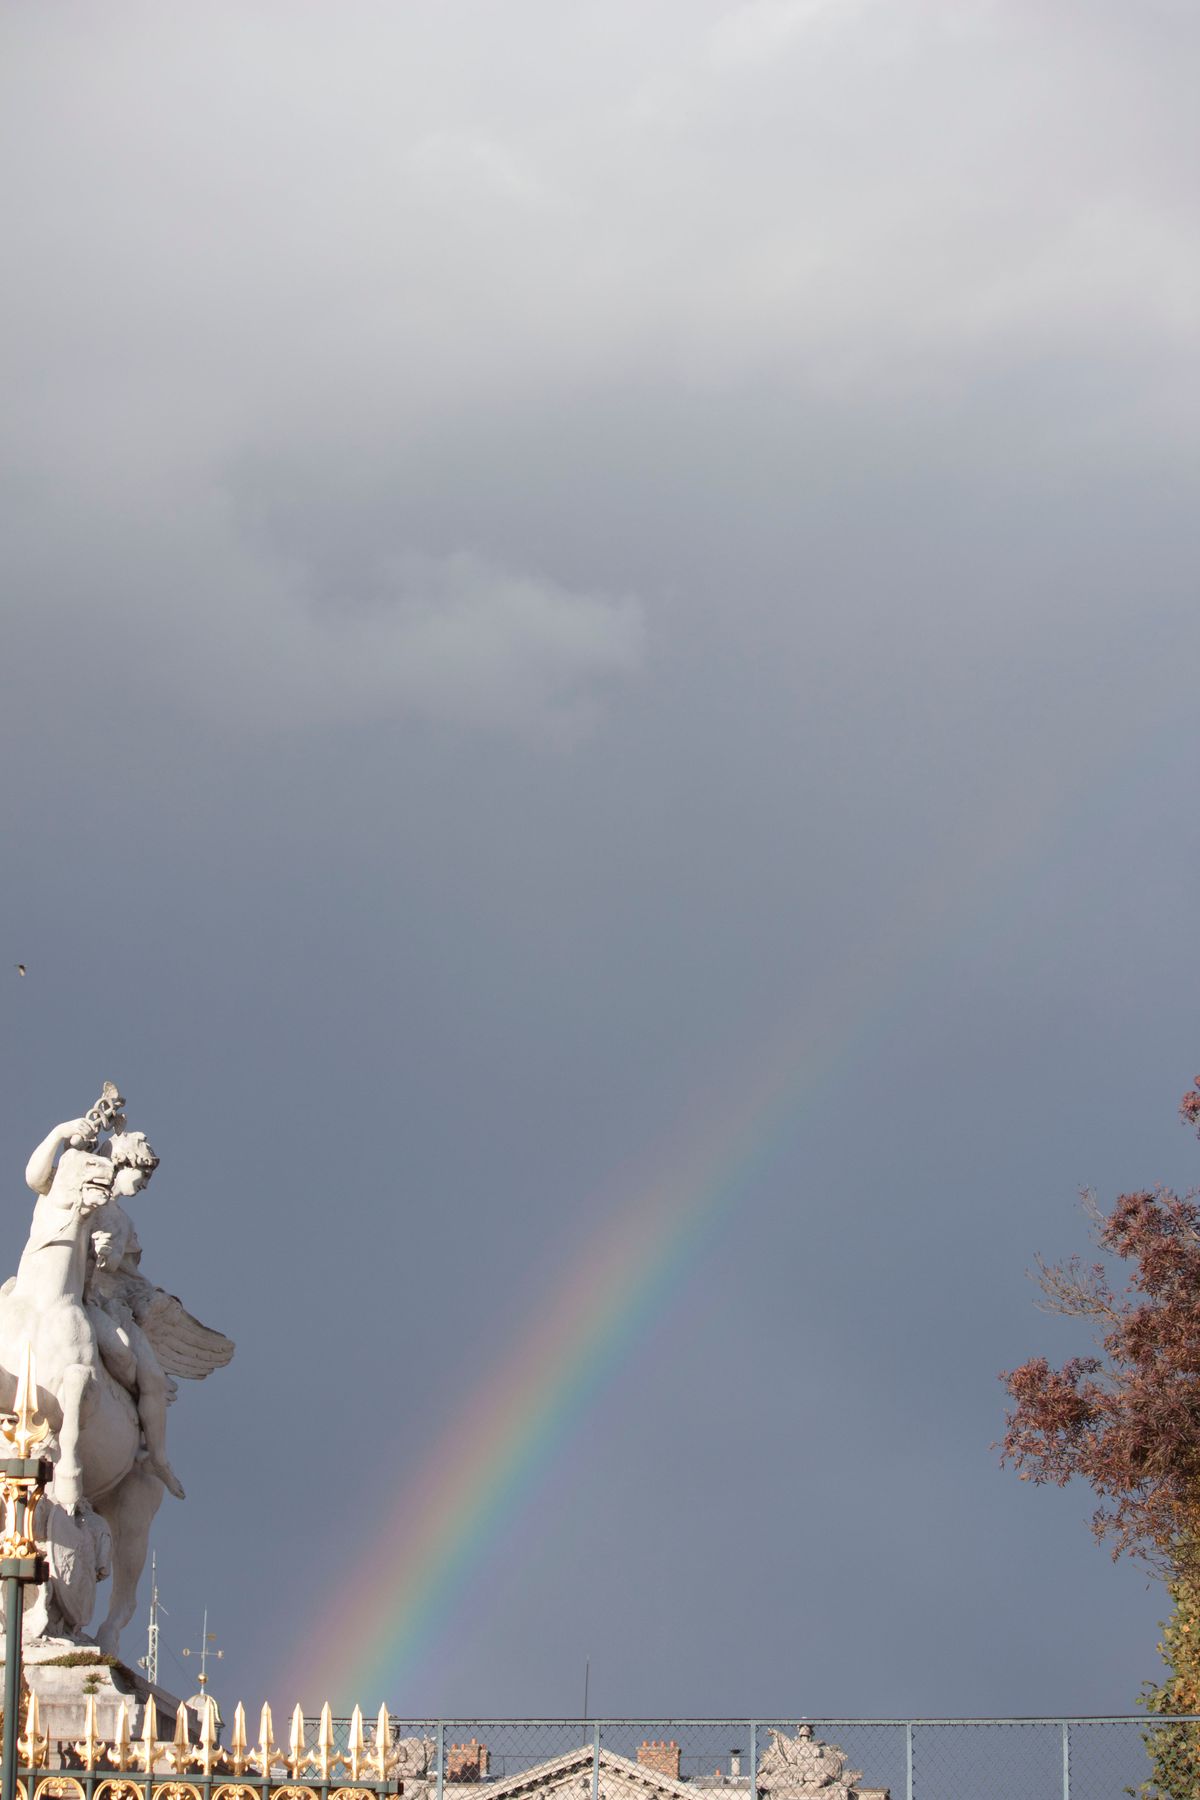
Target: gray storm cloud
453, 640
548, 545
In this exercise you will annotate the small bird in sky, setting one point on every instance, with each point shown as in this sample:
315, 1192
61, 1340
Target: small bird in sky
20, 968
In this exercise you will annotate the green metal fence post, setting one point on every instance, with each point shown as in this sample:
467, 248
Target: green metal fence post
596, 1762
23, 1481
1066, 1747
441, 1757
908, 1760
14, 1606
754, 1759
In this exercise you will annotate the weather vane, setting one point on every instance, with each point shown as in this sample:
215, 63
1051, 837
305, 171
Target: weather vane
207, 1640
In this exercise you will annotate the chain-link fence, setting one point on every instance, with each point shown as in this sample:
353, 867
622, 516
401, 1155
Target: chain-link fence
831, 1759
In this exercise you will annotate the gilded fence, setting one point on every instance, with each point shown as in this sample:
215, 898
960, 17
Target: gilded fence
328, 1758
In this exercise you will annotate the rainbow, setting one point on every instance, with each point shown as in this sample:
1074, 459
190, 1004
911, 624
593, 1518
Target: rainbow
407, 1580
371, 1632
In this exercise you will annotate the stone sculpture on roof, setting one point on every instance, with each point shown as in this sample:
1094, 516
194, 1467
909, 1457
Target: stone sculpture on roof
792, 1768
108, 1346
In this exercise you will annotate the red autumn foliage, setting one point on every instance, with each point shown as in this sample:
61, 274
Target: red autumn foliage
1128, 1419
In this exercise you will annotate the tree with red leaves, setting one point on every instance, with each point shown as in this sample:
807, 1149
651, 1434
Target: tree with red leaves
1128, 1421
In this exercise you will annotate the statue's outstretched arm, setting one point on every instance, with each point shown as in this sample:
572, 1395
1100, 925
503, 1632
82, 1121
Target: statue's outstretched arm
39, 1170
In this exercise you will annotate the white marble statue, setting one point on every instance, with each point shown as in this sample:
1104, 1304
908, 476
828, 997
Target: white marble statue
791, 1768
107, 1343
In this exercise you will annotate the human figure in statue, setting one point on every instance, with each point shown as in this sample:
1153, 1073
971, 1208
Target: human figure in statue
110, 1296
110, 1172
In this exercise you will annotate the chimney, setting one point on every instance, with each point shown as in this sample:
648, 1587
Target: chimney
662, 1758
735, 1765
467, 1762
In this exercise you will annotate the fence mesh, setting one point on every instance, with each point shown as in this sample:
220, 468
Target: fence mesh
830, 1759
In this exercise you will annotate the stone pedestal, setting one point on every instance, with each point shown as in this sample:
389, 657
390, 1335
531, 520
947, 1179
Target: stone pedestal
63, 1676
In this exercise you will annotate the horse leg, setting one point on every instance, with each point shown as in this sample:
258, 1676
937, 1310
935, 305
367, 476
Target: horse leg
73, 1387
128, 1509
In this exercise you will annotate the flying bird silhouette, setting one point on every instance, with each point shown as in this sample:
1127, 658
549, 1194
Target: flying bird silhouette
20, 968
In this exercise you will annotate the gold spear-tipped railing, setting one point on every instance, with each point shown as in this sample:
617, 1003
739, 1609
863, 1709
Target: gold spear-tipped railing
90, 1748
236, 1757
195, 1766
150, 1746
34, 1748
121, 1751
209, 1750
267, 1753
298, 1757
381, 1748
23, 1479
356, 1748
179, 1751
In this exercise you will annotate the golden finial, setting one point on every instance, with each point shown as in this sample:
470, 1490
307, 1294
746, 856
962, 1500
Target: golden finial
91, 1746
122, 1748
209, 1753
382, 1745
323, 1759
149, 1745
180, 1753
33, 1748
23, 1428
298, 1757
237, 1743
267, 1750
355, 1745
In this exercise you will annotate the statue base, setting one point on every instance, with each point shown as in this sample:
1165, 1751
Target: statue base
64, 1676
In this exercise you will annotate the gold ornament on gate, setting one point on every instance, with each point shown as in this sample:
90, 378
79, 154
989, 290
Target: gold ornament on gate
21, 1431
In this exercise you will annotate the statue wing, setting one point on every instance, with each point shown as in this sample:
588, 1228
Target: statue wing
181, 1343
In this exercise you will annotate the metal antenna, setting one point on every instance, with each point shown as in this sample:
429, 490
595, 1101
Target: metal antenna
207, 1638
149, 1662
587, 1669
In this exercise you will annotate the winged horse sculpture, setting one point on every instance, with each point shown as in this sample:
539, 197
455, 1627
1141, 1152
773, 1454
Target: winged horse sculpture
109, 1346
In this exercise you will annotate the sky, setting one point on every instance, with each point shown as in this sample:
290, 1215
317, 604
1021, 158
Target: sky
599, 594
